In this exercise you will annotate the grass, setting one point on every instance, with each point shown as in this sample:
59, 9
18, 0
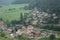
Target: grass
8, 37
22, 38
14, 14
47, 39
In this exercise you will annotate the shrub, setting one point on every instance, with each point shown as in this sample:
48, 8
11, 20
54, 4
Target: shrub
2, 34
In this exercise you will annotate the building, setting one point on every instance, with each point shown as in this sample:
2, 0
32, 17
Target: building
1, 23
30, 28
3, 26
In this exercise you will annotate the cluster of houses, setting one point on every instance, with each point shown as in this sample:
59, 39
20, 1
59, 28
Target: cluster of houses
20, 30
32, 32
42, 16
28, 31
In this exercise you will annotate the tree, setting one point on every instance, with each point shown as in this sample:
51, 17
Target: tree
52, 37
1, 19
22, 20
7, 23
52, 5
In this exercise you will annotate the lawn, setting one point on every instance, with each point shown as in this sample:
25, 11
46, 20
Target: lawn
12, 12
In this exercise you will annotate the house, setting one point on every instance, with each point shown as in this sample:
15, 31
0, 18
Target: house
30, 28
34, 22
1, 23
53, 14
26, 33
37, 32
3, 26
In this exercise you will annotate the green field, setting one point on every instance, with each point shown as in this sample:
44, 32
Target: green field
12, 12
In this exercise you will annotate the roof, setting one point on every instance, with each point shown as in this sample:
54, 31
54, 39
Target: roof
1, 23
30, 27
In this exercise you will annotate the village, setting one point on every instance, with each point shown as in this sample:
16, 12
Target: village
30, 31
29, 19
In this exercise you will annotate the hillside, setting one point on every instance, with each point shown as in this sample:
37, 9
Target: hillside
43, 5
12, 12
21, 1
8, 2
5, 2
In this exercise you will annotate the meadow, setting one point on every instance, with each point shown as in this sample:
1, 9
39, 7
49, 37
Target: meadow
12, 12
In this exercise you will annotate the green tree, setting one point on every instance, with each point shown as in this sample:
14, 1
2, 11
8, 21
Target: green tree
52, 5
52, 37
1, 19
22, 19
